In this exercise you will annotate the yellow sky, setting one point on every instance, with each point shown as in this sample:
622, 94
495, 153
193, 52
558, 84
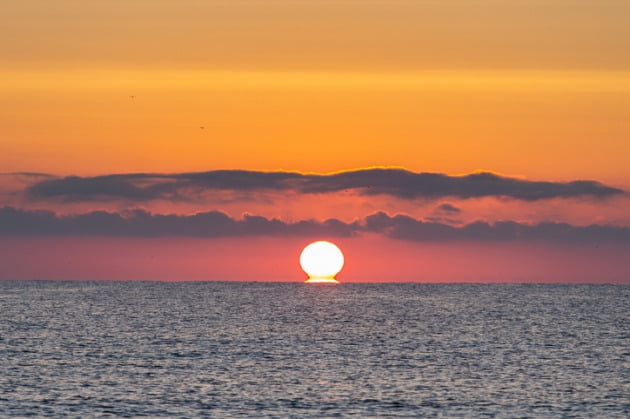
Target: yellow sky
536, 88
318, 34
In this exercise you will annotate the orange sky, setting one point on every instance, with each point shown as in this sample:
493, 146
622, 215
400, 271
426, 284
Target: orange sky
544, 124
534, 89
520, 87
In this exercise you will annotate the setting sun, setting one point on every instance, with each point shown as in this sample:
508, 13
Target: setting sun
321, 260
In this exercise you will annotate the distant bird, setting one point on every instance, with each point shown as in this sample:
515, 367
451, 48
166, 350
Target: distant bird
202, 127
132, 97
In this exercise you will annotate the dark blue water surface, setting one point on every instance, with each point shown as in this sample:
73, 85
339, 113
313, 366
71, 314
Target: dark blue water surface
294, 350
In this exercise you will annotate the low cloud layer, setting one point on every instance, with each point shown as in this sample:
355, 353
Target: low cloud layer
397, 183
408, 228
139, 223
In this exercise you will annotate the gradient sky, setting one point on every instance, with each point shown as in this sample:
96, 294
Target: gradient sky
137, 139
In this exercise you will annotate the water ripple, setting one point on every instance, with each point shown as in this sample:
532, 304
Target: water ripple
291, 350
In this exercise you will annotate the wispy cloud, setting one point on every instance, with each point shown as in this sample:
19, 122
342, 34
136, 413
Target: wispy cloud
140, 223
399, 183
448, 209
27, 175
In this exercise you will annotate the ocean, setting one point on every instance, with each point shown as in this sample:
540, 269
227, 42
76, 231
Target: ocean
219, 349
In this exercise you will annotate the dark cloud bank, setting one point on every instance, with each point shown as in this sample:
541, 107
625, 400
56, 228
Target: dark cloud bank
139, 223
394, 182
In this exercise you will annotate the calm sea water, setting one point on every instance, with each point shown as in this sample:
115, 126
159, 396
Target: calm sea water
293, 350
